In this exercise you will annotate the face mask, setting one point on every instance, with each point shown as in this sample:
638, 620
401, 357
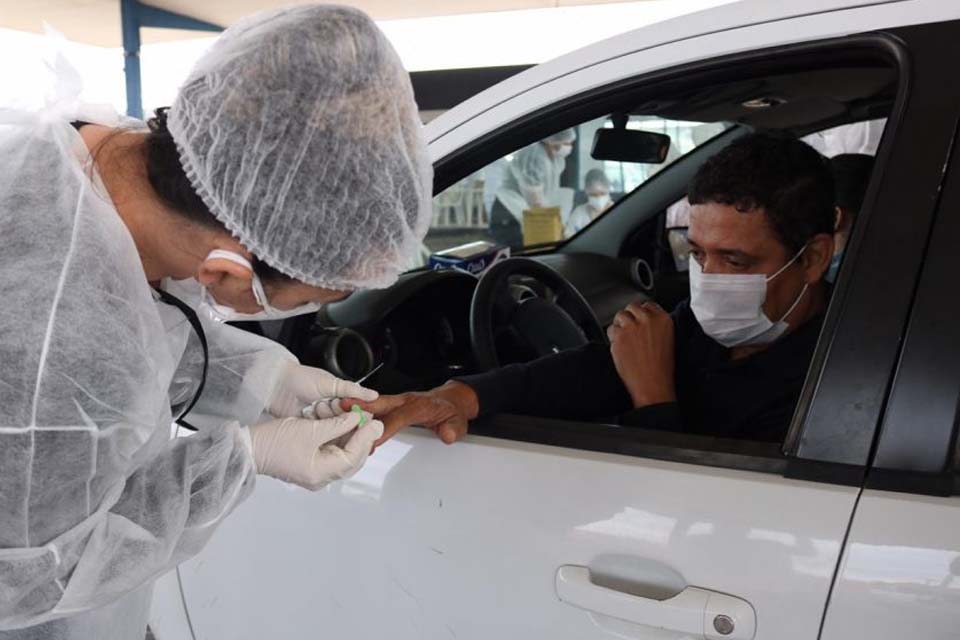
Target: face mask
598, 202
729, 307
834, 268
223, 313
563, 151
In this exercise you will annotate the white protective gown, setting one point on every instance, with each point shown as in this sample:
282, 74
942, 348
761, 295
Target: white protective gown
532, 179
96, 499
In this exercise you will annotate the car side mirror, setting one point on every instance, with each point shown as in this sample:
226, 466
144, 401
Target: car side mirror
630, 145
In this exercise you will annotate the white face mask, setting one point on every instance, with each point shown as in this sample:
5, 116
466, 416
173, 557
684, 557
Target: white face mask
729, 307
223, 313
563, 151
598, 202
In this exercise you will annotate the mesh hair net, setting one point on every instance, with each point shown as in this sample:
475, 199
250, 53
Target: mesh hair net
596, 177
299, 131
96, 499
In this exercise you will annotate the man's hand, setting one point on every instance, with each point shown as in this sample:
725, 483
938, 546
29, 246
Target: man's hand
445, 410
641, 341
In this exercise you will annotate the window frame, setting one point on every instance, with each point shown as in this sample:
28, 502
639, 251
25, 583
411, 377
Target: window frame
798, 456
916, 449
854, 364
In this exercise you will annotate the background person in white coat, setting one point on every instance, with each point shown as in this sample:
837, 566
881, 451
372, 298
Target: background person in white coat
597, 187
531, 180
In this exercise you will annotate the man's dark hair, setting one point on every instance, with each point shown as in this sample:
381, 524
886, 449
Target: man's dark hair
785, 177
851, 175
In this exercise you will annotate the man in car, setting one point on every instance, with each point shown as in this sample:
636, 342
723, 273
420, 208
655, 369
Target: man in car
730, 362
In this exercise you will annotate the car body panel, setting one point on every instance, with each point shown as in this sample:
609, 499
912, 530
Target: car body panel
168, 612
900, 573
430, 541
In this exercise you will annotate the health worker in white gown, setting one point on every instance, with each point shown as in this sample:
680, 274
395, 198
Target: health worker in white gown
290, 170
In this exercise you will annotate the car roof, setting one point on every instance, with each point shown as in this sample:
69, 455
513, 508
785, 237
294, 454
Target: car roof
722, 18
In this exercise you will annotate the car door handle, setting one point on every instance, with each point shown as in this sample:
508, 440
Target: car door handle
697, 612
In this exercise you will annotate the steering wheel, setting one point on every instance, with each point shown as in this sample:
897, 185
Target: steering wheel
543, 326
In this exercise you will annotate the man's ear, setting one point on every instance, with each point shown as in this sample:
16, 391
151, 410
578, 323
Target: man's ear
816, 259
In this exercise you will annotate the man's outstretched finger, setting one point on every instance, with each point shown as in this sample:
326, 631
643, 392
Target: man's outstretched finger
382, 405
392, 423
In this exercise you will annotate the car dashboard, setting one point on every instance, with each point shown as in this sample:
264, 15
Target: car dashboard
416, 333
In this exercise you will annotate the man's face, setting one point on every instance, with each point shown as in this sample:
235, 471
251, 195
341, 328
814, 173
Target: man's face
724, 240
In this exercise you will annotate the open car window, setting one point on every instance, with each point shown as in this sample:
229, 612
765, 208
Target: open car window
552, 189
425, 331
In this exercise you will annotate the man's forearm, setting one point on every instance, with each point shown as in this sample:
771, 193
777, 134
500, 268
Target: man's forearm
580, 383
655, 392
663, 416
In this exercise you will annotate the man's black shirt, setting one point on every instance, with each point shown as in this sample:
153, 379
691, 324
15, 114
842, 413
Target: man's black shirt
752, 398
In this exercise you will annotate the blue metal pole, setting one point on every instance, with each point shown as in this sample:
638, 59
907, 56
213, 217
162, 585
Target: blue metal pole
134, 15
163, 19
130, 23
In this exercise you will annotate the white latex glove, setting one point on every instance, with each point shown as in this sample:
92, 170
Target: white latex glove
300, 386
313, 453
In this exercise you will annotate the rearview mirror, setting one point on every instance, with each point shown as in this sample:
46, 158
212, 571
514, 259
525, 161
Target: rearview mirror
630, 145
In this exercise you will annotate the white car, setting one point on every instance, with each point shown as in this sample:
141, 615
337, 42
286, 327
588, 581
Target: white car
533, 528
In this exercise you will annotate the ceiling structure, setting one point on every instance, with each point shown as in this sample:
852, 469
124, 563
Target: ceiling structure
97, 22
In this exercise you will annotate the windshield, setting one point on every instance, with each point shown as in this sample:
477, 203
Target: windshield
550, 190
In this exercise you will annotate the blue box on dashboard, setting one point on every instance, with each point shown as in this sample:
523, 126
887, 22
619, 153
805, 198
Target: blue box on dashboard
475, 257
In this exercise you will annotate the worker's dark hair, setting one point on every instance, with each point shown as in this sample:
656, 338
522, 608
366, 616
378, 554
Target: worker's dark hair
783, 176
170, 183
851, 175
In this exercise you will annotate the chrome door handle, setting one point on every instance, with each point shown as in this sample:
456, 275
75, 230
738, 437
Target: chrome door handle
700, 613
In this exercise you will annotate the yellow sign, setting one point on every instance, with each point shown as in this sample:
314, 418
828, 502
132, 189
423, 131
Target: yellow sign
542, 225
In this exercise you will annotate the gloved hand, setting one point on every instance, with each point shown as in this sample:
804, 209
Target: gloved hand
313, 453
300, 385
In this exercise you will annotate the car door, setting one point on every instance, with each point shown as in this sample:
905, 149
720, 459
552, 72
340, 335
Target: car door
900, 572
533, 528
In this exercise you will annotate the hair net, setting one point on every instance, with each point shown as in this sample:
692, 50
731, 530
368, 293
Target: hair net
299, 131
596, 177
567, 135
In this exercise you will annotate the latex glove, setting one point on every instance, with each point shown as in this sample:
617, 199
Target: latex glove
313, 453
300, 386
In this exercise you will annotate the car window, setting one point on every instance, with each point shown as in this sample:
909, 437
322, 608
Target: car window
552, 189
